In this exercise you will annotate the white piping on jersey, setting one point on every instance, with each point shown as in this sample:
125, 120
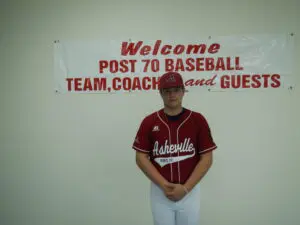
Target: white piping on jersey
142, 150
169, 140
178, 142
208, 149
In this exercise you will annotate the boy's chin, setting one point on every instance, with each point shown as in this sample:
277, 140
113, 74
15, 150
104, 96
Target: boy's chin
173, 105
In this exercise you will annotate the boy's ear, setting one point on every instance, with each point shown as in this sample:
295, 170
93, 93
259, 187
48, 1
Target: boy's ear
160, 92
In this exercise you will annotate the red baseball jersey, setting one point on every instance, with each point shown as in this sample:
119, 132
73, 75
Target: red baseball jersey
174, 147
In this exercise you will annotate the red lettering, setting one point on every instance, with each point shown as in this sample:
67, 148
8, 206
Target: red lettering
235, 81
69, 80
196, 49
199, 64
146, 61
115, 83
155, 65
237, 64
87, 84
77, 84
210, 82
276, 79
189, 82
220, 64
145, 50
200, 82
209, 64
131, 48
156, 47
103, 64
266, 79
225, 81
155, 83
132, 62
123, 66
179, 65
214, 48
99, 83
190, 64
136, 83
146, 86
169, 65
178, 49
246, 81
113, 66
228, 62
250, 81
126, 83
166, 49
256, 81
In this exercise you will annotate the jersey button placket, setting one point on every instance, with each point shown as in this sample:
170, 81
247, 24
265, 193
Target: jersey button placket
170, 142
174, 140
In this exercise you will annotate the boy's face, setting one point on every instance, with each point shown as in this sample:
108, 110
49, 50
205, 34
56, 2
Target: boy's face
172, 97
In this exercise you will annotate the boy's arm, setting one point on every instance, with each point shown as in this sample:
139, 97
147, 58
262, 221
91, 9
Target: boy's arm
200, 170
143, 162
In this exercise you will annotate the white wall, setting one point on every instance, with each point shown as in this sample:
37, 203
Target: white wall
57, 150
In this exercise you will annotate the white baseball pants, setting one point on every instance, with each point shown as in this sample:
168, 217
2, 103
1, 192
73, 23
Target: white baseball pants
183, 212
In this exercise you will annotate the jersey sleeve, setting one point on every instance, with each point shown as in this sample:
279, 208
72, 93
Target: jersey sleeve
205, 140
142, 142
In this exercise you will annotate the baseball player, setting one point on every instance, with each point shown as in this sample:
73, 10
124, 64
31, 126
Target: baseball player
174, 150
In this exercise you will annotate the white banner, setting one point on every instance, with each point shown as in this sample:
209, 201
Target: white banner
212, 63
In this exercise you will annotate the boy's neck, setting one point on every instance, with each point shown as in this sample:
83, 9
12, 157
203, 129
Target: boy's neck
173, 112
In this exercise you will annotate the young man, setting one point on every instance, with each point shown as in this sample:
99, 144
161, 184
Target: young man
174, 150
